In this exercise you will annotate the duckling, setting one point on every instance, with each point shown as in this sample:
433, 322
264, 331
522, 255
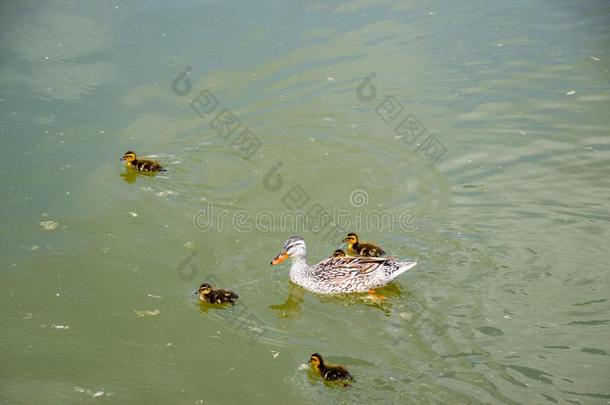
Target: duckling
339, 253
361, 249
330, 373
141, 165
220, 296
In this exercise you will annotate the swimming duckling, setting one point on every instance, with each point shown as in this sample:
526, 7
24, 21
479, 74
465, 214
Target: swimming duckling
339, 253
361, 249
141, 165
220, 296
330, 373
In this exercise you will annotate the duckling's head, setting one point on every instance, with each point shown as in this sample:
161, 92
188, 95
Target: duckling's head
204, 289
129, 156
351, 238
293, 247
316, 361
339, 253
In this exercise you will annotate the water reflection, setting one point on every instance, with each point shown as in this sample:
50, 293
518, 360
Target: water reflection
382, 300
130, 175
291, 307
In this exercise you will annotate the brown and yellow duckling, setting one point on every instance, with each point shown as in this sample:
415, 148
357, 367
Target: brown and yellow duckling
220, 296
141, 165
330, 373
339, 253
357, 248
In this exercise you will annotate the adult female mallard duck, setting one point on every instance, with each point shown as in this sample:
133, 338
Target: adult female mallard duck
357, 248
336, 275
220, 296
142, 165
330, 373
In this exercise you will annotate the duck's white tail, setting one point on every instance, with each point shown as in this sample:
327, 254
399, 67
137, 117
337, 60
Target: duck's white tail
404, 266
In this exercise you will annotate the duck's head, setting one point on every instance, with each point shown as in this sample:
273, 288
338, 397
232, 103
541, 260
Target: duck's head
293, 247
351, 239
316, 361
129, 156
339, 253
204, 289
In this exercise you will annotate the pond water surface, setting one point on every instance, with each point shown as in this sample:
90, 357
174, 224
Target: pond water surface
470, 137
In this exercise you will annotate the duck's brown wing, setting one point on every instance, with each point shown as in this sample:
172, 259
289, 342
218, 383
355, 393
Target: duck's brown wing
229, 295
348, 266
149, 166
337, 373
368, 249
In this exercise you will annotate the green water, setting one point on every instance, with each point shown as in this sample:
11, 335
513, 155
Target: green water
499, 189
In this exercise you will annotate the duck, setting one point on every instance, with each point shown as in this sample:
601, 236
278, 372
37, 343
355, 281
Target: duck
339, 274
220, 296
142, 165
330, 373
338, 253
356, 248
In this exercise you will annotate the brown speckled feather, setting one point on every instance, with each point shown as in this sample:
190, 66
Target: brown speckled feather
146, 166
351, 274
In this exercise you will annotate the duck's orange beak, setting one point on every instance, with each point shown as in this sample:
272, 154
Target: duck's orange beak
280, 258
